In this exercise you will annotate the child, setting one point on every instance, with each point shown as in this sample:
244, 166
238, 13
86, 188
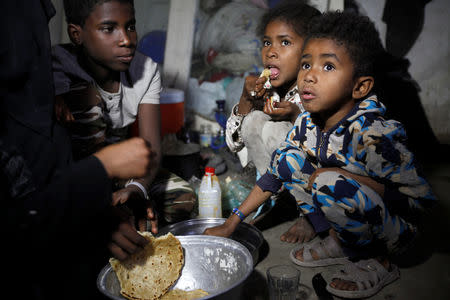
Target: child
102, 84
283, 29
345, 164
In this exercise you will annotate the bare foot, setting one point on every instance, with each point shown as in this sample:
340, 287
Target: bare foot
302, 232
314, 255
345, 285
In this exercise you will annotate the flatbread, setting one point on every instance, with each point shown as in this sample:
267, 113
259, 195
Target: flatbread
149, 274
184, 295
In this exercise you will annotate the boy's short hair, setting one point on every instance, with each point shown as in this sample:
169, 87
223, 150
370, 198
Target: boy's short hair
296, 13
77, 11
356, 33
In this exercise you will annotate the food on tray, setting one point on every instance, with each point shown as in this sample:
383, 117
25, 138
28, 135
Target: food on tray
150, 273
184, 295
266, 73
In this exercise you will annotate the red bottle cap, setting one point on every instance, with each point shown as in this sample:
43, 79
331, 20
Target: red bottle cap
210, 170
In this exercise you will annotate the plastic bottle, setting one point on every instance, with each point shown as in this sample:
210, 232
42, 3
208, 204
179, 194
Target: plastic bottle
220, 114
218, 141
205, 135
210, 196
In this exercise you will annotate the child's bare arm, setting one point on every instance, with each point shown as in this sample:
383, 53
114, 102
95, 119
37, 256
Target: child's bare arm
149, 129
62, 111
256, 197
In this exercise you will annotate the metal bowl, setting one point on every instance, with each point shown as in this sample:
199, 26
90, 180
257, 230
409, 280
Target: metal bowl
246, 234
214, 264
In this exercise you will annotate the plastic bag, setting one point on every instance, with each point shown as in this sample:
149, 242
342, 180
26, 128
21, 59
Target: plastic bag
234, 192
232, 29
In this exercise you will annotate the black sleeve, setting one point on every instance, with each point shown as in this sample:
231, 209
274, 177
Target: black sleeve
14, 57
72, 200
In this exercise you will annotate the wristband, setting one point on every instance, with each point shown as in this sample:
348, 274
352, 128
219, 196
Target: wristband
238, 213
140, 186
234, 111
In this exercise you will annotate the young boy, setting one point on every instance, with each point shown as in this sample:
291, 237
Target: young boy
102, 85
261, 130
345, 164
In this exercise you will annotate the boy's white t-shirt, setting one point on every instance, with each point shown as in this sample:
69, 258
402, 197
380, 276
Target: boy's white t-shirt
122, 107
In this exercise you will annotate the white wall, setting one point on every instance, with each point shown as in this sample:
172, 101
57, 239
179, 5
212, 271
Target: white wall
430, 66
429, 58
151, 15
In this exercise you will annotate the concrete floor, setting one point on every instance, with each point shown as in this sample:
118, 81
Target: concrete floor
425, 273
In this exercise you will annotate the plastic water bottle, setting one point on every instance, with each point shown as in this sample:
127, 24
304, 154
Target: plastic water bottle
221, 117
205, 135
220, 114
210, 196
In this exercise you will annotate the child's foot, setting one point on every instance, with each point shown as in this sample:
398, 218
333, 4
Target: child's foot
320, 253
313, 252
301, 232
345, 285
363, 279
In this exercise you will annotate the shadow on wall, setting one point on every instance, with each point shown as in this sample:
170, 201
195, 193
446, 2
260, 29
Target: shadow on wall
397, 89
404, 20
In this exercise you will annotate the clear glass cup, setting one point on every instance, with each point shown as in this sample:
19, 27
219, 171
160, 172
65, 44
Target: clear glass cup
283, 282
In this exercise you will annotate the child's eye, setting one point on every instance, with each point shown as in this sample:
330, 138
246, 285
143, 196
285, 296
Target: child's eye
328, 67
132, 28
107, 29
285, 43
306, 66
266, 43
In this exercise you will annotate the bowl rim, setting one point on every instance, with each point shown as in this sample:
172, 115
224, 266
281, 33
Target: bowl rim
248, 258
212, 221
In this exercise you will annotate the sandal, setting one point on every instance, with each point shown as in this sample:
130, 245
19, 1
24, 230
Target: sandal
328, 250
369, 275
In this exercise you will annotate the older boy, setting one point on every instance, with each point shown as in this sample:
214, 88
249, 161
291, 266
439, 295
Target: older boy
103, 85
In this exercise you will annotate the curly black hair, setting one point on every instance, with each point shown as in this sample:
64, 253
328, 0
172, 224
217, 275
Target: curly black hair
356, 33
296, 13
77, 11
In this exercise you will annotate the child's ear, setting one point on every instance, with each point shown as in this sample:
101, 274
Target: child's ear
363, 86
74, 32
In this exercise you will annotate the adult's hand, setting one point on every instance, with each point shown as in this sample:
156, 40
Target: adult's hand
128, 159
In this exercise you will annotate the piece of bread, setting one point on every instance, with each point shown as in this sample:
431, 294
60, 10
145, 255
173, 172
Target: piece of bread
184, 295
148, 274
265, 73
